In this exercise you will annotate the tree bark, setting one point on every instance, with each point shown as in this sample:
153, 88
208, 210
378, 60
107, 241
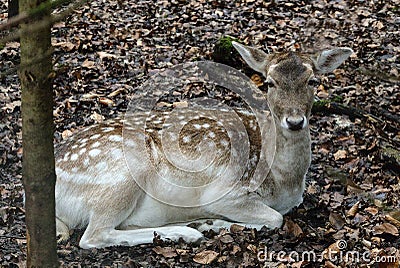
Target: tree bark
12, 8
37, 134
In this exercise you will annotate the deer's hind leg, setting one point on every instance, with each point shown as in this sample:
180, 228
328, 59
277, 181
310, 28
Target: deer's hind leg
105, 220
99, 237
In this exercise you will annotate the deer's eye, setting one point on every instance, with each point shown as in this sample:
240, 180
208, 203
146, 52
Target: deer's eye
313, 82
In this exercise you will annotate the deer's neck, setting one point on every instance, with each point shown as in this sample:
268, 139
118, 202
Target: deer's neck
292, 156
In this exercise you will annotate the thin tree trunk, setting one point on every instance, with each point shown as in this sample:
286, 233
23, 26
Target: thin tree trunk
12, 8
37, 134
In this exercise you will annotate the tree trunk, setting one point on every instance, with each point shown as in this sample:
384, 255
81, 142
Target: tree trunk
37, 134
12, 8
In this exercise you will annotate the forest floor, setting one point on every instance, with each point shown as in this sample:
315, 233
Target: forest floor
106, 49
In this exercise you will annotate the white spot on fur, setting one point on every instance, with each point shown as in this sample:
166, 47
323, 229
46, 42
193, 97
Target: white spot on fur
224, 143
206, 125
74, 146
211, 134
101, 166
186, 139
95, 136
115, 138
74, 157
82, 151
96, 144
107, 129
94, 152
196, 126
83, 140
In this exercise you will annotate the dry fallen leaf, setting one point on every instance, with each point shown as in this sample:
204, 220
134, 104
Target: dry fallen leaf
371, 210
97, 117
336, 220
340, 154
67, 46
236, 249
392, 220
66, 134
292, 229
353, 210
386, 228
236, 228
106, 101
252, 248
116, 92
329, 264
205, 257
226, 239
167, 252
257, 80
180, 104
89, 64
103, 55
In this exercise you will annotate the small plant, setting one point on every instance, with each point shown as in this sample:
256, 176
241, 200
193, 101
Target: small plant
224, 52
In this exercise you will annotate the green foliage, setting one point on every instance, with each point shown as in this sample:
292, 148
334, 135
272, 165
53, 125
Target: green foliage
224, 52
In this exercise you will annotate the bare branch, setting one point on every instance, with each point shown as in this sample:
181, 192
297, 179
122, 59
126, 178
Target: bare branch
43, 23
24, 17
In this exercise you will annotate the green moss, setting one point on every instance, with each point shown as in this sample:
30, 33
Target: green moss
225, 42
337, 98
321, 103
224, 52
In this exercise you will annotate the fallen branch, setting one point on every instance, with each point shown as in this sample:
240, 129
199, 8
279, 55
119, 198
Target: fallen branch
331, 107
387, 147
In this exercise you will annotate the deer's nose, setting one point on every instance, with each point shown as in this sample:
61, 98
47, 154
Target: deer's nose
295, 123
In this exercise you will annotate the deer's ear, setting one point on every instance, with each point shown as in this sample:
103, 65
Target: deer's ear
329, 60
255, 58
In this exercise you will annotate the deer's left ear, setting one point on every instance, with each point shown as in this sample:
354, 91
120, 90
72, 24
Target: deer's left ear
255, 58
329, 60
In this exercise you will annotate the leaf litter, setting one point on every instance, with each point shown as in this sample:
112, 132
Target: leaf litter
107, 48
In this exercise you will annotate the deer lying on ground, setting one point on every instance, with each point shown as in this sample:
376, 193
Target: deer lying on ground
95, 188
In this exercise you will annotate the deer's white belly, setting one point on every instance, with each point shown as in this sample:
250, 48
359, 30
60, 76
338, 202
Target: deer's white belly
152, 213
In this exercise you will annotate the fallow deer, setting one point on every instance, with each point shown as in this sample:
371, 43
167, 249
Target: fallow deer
96, 189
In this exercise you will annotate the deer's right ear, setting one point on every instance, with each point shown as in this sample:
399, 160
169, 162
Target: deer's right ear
255, 58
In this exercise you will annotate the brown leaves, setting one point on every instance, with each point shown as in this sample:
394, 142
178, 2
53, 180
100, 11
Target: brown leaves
257, 80
340, 154
205, 257
336, 220
353, 210
235, 228
167, 252
386, 228
89, 64
292, 229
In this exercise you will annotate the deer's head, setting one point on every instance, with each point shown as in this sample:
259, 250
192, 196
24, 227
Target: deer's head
289, 77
